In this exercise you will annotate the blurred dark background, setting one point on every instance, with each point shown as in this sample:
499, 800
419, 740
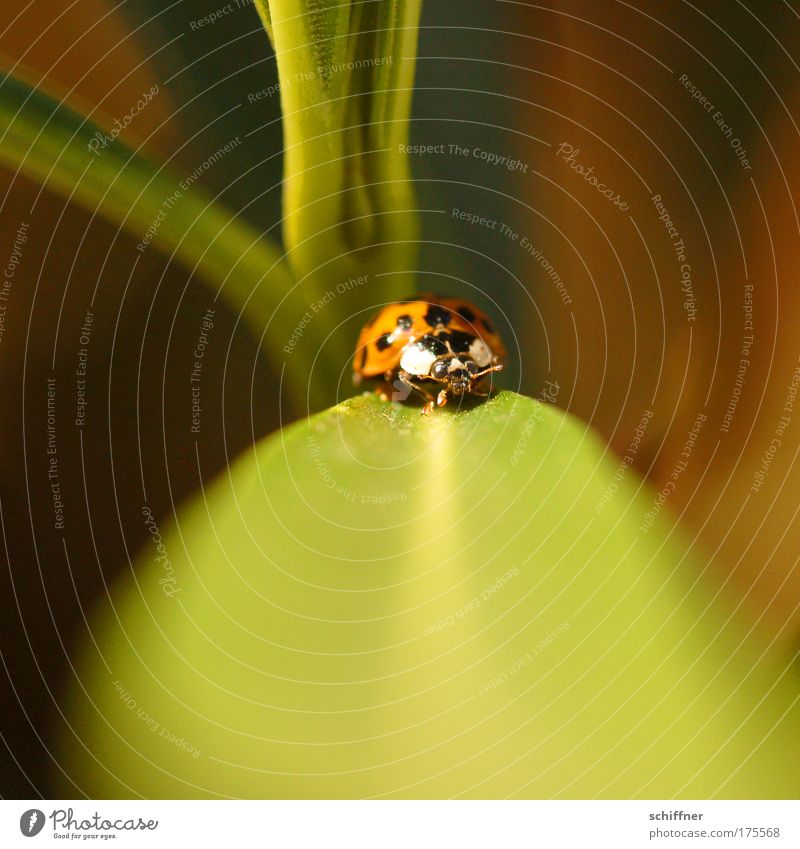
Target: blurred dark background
502, 79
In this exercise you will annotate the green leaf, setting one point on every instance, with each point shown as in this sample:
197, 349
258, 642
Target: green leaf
346, 73
373, 603
49, 142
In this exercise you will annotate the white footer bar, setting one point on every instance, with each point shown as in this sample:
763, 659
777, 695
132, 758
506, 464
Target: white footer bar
415, 824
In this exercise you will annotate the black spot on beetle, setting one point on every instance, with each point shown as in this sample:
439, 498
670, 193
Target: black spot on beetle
436, 316
433, 344
363, 356
384, 342
460, 341
466, 313
405, 322
487, 325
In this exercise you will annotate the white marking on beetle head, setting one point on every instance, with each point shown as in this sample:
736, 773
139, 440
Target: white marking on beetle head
417, 359
480, 353
455, 363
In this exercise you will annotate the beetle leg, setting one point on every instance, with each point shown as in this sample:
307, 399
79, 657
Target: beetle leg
441, 398
480, 392
406, 382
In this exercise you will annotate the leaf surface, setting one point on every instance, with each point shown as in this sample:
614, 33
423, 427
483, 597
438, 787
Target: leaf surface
371, 603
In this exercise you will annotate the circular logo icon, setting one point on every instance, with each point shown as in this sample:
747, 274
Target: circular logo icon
31, 822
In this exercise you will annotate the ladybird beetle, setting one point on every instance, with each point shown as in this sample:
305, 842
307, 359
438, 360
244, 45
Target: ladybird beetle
430, 339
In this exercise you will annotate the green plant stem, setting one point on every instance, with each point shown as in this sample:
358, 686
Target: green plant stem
346, 73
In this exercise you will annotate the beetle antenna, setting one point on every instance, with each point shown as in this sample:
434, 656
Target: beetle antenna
498, 367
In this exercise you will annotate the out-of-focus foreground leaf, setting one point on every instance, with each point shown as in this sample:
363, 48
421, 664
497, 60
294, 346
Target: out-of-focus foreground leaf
372, 603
